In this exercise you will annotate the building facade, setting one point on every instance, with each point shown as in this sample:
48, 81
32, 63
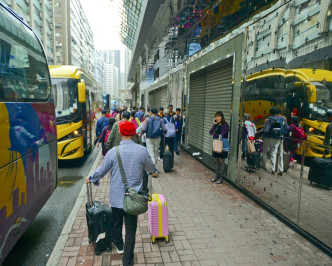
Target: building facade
39, 15
243, 61
99, 67
73, 36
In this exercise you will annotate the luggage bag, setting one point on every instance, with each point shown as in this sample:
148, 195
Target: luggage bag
99, 220
253, 160
321, 172
168, 160
158, 217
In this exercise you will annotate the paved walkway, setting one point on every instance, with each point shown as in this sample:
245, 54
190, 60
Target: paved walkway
209, 224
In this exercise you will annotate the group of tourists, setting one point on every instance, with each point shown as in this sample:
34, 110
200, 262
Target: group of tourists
139, 136
275, 136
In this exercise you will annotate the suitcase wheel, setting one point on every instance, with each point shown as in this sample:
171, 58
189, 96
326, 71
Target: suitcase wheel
97, 252
166, 240
108, 249
90, 241
153, 240
310, 182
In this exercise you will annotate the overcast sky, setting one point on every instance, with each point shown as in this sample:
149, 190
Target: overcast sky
104, 18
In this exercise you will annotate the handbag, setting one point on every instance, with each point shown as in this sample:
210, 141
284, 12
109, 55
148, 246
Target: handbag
217, 145
134, 202
251, 146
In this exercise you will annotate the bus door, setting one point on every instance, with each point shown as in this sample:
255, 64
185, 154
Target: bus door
295, 98
88, 121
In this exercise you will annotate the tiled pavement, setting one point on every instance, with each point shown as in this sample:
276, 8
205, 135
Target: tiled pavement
209, 224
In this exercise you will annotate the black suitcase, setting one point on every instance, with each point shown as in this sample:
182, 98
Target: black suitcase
253, 160
99, 220
321, 172
167, 161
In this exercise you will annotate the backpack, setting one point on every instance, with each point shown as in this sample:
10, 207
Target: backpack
154, 128
273, 128
108, 132
297, 133
101, 123
170, 128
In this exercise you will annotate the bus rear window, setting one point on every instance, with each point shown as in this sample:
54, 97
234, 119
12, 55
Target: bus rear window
24, 75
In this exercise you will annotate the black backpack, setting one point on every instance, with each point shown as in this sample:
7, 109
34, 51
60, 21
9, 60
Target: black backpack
273, 128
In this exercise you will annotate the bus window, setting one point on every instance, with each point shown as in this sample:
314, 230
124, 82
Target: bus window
323, 100
23, 68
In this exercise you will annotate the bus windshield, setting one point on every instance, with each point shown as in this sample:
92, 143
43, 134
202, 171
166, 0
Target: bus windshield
323, 100
67, 108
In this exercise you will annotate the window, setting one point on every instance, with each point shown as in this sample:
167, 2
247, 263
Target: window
24, 72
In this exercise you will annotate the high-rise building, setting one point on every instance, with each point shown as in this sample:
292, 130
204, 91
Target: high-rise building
73, 35
114, 57
39, 15
99, 67
111, 73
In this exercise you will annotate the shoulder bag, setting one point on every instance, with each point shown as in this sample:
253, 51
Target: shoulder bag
134, 202
217, 145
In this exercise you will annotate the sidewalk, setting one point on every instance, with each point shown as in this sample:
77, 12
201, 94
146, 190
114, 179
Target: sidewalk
209, 224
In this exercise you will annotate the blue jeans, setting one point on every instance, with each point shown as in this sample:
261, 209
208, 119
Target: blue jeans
176, 140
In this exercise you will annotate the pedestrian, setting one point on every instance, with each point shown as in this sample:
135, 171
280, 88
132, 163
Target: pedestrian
101, 123
328, 134
142, 137
161, 112
137, 160
249, 136
108, 113
114, 139
169, 134
134, 119
153, 127
105, 134
219, 129
275, 128
296, 136
140, 114
178, 127
170, 109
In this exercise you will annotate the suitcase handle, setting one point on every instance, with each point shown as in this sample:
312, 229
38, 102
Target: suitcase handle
89, 194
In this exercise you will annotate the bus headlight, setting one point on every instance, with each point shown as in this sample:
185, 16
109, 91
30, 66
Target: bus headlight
76, 133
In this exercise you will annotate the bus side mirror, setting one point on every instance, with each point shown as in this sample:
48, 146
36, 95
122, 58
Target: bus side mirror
81, 92
311, 93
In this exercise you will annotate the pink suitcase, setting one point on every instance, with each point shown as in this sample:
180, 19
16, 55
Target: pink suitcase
158, 217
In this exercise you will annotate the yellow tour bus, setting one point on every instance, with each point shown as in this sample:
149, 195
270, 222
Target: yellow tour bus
78, 103
305, 93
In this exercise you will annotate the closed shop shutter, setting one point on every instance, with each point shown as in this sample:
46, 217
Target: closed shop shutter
151, 99
195, 118
161, 97
218, 97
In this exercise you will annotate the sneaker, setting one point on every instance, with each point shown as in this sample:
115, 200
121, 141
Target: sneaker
159, 158
292, 163
155, 175
119, 251
177, 153
281, 173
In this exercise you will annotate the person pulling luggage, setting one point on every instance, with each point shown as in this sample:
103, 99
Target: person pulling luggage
170, 133
137, 159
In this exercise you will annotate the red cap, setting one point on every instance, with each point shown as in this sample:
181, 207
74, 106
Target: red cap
127, 128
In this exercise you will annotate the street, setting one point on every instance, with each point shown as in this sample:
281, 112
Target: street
38, 241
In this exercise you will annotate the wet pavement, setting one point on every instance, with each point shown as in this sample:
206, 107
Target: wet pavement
209, 224
37, 243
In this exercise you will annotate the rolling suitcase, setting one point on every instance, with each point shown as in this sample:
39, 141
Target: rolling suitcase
99, 220
168, 159
158, 217
321, 172
253, 160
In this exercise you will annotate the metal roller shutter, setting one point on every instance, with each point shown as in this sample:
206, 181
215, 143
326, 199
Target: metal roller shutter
195, 117
151, 99
161, 97
218, 97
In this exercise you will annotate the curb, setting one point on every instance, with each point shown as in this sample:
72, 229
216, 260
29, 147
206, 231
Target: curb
61, 242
